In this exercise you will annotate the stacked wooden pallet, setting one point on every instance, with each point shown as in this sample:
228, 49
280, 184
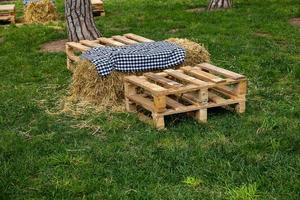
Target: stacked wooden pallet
8, 12
185, 90
98, 8
84, 45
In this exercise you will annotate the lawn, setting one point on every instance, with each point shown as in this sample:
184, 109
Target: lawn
255, 155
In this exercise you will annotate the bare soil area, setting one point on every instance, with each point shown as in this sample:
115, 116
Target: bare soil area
54, 46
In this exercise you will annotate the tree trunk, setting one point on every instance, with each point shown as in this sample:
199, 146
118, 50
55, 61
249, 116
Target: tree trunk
80, 21
218, 4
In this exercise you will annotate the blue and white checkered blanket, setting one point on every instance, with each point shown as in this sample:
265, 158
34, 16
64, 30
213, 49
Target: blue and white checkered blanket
135, 58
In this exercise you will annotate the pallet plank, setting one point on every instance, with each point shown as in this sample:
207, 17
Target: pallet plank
144, 102
8, 13
145, 84
174, 104
5, 18
197, 107
181, 90
8, 7
221, 71
215, 98
168, 83
198, 73
91, 43
109, 41
124, 40
97, 5
226, 91
178, 75
184, 109
78, 46
137, 38
95, 2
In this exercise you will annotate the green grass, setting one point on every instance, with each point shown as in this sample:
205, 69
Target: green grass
114, 156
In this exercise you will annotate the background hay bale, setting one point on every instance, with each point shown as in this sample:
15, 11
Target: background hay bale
195, 53
40, 12
106, 93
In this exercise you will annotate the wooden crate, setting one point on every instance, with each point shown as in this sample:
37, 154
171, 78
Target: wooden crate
72, 48
8, 13
185, 90
98, 8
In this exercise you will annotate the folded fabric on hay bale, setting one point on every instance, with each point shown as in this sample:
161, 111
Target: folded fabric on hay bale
135, 58
41, 11
106, 92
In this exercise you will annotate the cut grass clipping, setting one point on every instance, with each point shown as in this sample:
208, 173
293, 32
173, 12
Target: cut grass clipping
106, 93
40, 12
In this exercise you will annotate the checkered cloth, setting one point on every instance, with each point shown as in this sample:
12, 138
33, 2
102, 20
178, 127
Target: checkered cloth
135, 58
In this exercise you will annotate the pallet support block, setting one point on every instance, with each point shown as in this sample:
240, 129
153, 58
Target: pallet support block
201, 115
70, 54
130, 90
158, 121
241, 91
8, 13
159, 103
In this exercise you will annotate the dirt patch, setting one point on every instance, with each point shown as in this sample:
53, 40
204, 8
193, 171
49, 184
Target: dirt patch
1, 40
295, 21
262, 34
196, 10
54, 46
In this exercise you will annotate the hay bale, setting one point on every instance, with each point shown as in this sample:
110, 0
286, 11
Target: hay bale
195, 53
40, 12
106, 93
102, 92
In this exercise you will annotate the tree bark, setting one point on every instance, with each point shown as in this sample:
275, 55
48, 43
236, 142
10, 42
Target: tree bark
219, 4
80, 21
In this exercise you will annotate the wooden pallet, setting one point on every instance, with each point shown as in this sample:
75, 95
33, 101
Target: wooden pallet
98, 8
7, 1
8, 13
185, 90
73, 47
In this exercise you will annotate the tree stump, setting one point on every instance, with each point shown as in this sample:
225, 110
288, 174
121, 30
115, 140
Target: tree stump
80, 21
219, 4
